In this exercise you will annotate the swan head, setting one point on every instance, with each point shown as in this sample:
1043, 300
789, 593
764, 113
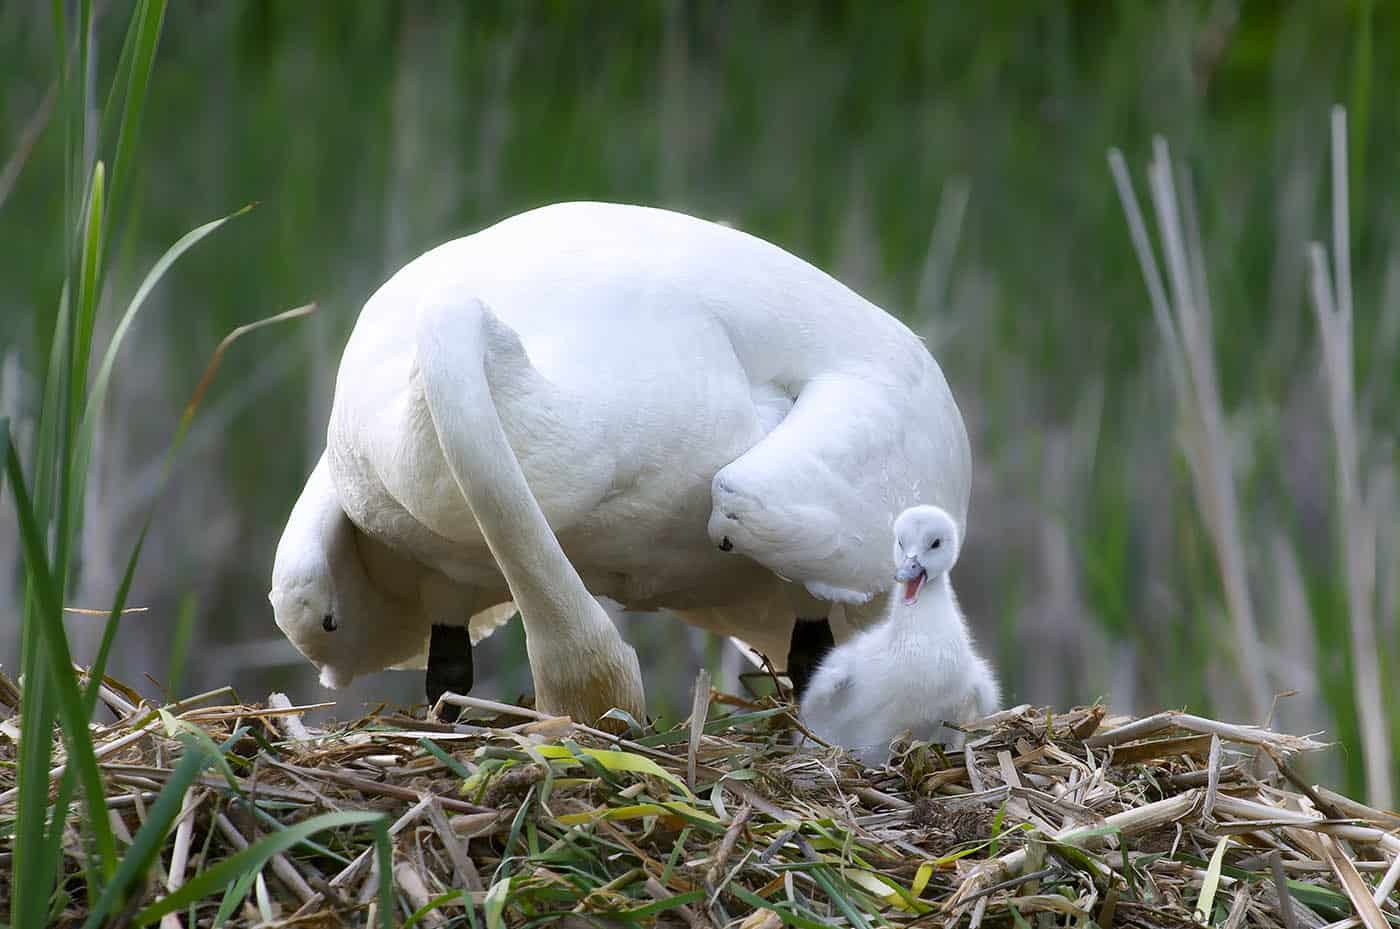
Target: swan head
305, 611
324, 601
326, 606
926, 547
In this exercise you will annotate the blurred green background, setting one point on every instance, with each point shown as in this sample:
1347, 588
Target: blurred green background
946, 160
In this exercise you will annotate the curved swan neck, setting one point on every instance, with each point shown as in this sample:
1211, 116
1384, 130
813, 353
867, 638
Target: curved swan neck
319, 539
456, 342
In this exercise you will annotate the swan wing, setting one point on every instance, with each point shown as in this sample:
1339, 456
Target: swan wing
815, 499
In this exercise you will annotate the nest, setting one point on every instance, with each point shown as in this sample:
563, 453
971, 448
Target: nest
514, 818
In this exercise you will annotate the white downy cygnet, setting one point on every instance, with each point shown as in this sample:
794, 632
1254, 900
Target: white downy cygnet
915, 669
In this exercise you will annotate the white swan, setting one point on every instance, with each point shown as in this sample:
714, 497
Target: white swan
915, 670
707, 424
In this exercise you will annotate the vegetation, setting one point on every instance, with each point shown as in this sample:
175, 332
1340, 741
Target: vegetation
1187, 491
1075, 818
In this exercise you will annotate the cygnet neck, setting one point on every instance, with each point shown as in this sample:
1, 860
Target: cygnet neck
933, 616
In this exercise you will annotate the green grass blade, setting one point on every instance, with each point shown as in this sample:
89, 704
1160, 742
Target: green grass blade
78, 325
89, 280
233, 896
1205, 904
104, 649
115, 93
656, 907
252, 859
33, 876
179, 728
36, 860
36, 564
276, 825
97, 397
72, 473
48, 613
452, 764
436, 903
46, 450
494, 906
786, 914
82, 106
65, 103
149, 840
384, 850
822, 876
148, 19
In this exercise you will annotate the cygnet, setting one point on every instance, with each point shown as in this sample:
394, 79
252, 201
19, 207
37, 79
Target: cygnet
916, 668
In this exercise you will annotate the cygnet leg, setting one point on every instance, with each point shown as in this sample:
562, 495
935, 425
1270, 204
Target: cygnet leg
449, 665
811, 640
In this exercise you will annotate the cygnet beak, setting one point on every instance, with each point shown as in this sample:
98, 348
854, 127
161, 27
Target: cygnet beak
912, 575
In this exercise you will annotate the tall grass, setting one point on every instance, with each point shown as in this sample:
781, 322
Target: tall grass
1185, 327
1184, 324
1355, 504
48, 502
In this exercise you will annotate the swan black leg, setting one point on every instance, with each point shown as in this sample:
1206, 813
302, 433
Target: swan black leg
449, 666
811, 640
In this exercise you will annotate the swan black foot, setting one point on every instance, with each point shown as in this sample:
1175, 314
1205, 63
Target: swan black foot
811, 640
449, 666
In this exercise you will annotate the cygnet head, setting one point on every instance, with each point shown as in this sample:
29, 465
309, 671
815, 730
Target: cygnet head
926, 547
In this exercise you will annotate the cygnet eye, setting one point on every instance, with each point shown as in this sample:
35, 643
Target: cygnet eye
328, 622
936, 543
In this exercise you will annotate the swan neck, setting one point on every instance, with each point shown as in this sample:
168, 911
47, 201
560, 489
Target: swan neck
458, 345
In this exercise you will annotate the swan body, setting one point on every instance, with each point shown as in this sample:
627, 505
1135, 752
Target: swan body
704, 422
914, 670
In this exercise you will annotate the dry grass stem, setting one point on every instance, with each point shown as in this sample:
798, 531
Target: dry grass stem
1357, 522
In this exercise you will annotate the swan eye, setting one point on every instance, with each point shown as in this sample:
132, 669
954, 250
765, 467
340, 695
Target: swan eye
937, 543
328, 622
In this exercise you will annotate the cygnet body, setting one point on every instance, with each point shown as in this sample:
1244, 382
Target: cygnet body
915, 669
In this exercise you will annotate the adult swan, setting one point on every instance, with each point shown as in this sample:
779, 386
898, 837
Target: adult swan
592, 399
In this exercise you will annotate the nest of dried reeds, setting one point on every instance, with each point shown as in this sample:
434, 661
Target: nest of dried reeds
514, 818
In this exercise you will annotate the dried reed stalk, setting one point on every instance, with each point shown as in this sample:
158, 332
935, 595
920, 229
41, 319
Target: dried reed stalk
1184, 324
1357, 523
